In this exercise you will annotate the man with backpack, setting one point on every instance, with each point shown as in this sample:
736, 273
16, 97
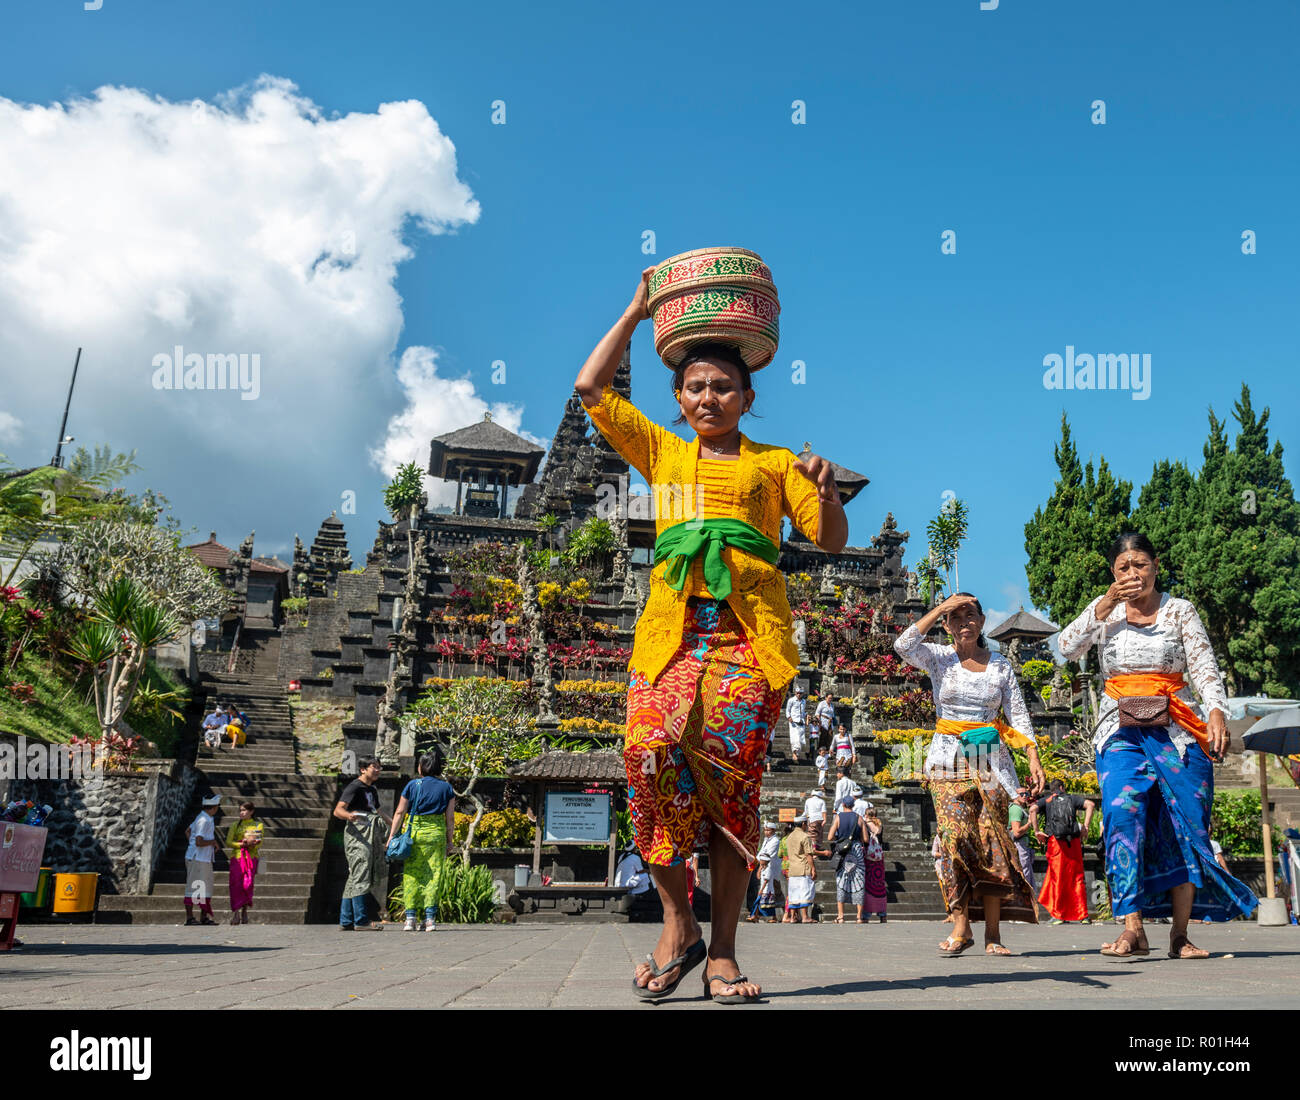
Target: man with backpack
1063, 894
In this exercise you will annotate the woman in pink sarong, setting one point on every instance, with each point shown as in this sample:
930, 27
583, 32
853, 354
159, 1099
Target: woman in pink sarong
243, 842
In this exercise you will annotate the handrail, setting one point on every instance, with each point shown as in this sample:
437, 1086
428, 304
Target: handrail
234, 648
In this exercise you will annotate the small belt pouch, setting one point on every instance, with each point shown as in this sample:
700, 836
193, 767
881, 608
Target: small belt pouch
1143, 710
981, 737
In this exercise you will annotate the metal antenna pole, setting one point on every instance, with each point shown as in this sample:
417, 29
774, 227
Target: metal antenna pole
57, 460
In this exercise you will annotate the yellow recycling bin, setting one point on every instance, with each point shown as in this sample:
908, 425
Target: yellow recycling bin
75, 893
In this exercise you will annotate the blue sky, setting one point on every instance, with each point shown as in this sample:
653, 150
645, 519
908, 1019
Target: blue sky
924, 370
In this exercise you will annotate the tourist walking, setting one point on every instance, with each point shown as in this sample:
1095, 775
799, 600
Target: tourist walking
796, 715
814, 811
846, 755
848, 842
825, 720
713, 653
1018, 826
801, 882
431, 804
1155, 754
202, 834
243, 845
1064, 893
971, 775
770, 876
844, 785
876, 899
363, 845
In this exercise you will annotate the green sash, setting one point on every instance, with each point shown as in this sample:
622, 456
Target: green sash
680, 544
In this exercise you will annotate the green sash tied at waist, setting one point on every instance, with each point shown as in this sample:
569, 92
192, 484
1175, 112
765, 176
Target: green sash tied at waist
679, 545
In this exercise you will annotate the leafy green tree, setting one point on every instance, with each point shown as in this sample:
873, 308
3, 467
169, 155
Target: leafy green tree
947, 531
98, 553
405, 492
591, 541
548, 523
481, 724
1067, 538
46, 503
124, 626
1238, 560
1166, 514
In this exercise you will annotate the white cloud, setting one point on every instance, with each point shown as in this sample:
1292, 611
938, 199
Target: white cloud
435, 406
257, 225
11, 428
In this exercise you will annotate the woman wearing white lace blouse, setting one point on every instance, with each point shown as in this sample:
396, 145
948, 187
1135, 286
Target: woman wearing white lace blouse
1154, 754
971, 775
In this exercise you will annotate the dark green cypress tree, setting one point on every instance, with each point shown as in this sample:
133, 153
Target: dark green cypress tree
1240, 558
1166, 514
1068, 537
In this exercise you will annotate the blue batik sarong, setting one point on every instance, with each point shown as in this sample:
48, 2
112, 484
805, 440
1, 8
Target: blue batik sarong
1156, 807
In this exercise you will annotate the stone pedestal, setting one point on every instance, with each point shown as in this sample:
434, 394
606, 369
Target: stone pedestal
1272, 911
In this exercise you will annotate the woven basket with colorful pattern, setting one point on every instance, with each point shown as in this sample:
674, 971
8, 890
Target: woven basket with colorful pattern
723, 294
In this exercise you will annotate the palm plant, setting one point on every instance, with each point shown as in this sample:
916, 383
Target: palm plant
42, 503
124, 625
548, 523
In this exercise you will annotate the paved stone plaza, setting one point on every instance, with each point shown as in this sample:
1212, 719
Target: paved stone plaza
589, 966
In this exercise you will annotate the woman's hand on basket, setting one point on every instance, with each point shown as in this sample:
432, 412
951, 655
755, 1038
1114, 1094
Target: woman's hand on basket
818, 469
641, 299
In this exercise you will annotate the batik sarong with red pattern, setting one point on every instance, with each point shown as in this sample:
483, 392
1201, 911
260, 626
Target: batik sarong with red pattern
696, 741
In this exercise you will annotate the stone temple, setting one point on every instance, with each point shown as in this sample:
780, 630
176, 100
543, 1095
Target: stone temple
373, 637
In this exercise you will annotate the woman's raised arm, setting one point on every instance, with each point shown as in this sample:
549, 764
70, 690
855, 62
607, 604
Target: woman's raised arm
598, 371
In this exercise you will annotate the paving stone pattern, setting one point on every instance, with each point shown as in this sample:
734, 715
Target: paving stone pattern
894, 966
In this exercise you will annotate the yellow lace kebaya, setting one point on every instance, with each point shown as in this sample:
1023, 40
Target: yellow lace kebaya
758, 488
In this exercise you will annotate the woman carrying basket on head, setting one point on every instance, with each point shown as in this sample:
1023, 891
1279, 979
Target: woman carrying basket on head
713, 653
1154, 754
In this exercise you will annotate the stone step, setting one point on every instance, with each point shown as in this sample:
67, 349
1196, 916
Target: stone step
272, 876
276, 897
174, 914
173, 870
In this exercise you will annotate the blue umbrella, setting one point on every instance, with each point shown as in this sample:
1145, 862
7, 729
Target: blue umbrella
1279, 733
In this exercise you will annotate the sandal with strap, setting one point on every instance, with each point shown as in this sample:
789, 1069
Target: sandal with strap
728, 998
1004, 953
955, 946
1135, 941
1180, 944
695, 954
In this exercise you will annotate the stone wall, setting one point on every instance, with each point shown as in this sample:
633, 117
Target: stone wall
117, 825
295, 653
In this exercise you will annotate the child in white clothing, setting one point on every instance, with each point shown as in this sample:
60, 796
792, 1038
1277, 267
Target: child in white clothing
823, 764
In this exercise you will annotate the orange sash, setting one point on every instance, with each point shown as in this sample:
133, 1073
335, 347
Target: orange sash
1010, 735
1161, 683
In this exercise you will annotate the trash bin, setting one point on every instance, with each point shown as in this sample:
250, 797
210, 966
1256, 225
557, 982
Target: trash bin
40, 897
75, 893
522, 871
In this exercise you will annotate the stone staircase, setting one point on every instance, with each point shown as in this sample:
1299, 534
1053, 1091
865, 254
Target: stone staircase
294, 808
1241, 771
912, 887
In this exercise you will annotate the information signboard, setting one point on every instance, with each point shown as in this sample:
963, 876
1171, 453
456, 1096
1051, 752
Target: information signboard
575, 817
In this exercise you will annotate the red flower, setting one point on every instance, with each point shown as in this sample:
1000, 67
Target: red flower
33, 615
10, 593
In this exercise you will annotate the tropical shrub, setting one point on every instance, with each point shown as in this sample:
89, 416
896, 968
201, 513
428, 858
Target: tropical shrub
466, 895
1236, 823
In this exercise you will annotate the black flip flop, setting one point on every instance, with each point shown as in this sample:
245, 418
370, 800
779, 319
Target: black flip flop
729, 998
695, 954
